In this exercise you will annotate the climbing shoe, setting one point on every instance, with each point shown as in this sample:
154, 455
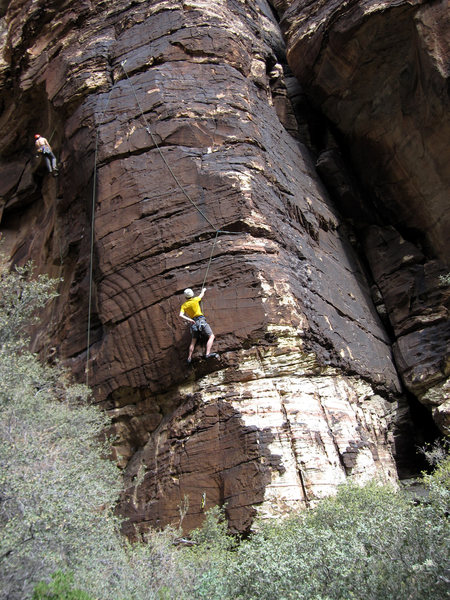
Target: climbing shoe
189, 360
212, 355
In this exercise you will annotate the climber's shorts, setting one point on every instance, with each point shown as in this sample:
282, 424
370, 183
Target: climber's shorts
200, 328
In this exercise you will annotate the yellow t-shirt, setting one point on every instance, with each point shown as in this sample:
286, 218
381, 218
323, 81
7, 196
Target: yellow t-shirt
192, 307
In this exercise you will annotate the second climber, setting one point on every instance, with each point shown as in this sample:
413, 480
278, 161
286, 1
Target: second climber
191, 311
44, 149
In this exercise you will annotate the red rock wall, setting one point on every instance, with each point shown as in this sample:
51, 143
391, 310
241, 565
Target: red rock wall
306, 392
379, 71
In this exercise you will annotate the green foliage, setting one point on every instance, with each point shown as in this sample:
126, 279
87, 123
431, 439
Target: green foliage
20, 297
368, 543
214, 532
436, 453
438, 486
210, 558
60, 588
57, 492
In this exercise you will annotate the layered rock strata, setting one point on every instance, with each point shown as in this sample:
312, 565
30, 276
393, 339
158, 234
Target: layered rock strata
379, 71
175, 121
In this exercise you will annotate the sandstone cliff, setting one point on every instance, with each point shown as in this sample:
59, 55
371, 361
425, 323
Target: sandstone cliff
296, 155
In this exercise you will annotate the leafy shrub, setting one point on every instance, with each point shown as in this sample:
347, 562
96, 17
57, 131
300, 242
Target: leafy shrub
60, 588
57, 491
368, 543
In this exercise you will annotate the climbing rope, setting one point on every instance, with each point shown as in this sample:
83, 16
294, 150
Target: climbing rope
175, 178
94, 192
210, 257
91, 255
149, 131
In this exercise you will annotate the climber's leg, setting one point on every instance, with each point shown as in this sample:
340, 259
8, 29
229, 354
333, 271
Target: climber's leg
209, 344
191, 348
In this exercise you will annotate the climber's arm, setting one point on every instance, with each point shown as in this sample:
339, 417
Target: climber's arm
185, 317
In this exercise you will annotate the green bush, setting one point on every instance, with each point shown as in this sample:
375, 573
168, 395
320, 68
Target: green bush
60, 588
368, 543
57, 490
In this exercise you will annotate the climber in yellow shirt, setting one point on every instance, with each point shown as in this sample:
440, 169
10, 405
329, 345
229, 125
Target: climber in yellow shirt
191, 312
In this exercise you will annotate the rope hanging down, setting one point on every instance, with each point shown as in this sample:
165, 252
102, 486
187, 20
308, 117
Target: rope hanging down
91, 256
175, 178
194, 204
157, 146
149, 131
210, 257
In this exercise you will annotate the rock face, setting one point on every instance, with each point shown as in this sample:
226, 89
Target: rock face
379, 71
184, 129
